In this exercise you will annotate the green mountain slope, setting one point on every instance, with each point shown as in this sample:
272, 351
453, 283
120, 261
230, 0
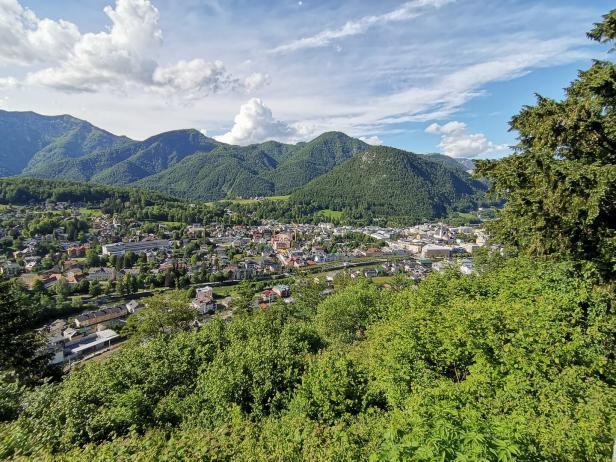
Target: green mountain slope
265, 169
227, 171
129, 163
187, 164
155, 155
30, 140
389, 182
310, 160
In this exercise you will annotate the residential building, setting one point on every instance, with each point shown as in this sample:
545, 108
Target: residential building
10, 268
102, 274
204, 300
95, 317
282, 290
132, 306
77, 250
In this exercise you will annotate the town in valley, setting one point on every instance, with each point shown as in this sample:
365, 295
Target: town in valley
94, 270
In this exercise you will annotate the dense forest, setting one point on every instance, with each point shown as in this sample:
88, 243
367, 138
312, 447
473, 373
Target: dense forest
146, 205
517, 362
24, 191
390, 183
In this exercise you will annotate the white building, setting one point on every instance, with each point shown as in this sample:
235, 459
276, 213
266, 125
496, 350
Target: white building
435, 251
120, 248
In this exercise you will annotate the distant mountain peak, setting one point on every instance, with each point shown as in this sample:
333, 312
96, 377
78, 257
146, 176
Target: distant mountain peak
187, 163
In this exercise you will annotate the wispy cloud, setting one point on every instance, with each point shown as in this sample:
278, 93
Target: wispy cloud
439, 98
406, 11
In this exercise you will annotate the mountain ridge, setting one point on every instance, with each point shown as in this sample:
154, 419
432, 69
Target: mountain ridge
183, 163
28, 136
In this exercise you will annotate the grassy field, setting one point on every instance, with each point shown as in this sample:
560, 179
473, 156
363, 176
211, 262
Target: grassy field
223, 291
251, 201
465, 215
331, 214
28, 279
90, 212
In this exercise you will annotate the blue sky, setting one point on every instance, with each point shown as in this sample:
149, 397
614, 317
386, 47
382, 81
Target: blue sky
423, 75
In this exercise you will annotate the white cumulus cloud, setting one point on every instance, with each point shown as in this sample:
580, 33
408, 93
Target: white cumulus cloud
255, 123
123, 56
446, 129
24, 38
373, 140
113, 58
457, 142
406, 11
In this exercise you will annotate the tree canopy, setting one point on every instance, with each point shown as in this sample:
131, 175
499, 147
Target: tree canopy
560, 184
514, 364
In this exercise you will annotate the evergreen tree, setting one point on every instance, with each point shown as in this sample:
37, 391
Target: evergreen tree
20, 345
560, 184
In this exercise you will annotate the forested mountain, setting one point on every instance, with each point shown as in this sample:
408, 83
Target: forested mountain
23, 191
228, 171
182, 163
128, 163
187, 164
30, 140
309, 160
257, 170
390, 182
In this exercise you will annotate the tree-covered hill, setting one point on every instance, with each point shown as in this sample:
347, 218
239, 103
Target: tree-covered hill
129, 163
66, 148
389, 182
30, 140
315, 158
226, 172
264, 169
24, 191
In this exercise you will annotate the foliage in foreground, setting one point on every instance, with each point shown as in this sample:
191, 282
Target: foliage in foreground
516, 364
